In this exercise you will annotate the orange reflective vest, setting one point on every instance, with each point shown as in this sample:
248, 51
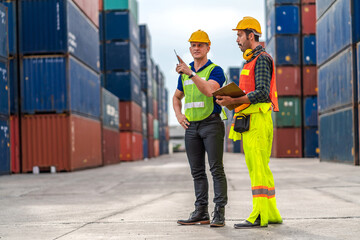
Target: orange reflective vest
247, 83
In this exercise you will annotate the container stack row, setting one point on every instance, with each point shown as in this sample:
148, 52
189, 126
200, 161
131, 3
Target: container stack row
338, 44
291, 41
4, 94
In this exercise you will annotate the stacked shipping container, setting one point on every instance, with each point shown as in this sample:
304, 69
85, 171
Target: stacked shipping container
4, 94
291, 41
338, 37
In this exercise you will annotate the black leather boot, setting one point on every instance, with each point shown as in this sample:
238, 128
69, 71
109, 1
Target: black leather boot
200, 215
219, 217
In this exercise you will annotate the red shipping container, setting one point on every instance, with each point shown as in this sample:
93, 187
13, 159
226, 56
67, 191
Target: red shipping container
68, 142
90, 9
130, 116
15, 144
151, 147
156, 148
101, 5
131, 146
287, 143
307, 1
150, 122
111, 146
308, 19
288, 81
167, 133
156, 110
310, 81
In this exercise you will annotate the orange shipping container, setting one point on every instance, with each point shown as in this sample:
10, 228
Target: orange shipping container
90, 8
111, 146
68, 142
15, 144
101, 5
156, 148
151, 147
131, 146
310, 81
130, 117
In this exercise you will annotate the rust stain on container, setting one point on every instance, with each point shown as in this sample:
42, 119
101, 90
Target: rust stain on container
68, 142
287, 143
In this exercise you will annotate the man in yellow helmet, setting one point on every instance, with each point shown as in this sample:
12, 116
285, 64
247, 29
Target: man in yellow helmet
254, 123
204, 128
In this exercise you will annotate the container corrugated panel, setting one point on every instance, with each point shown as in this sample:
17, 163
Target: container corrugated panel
308, 19
121, 26
287, 143
110, 146
145, 38
130, 117
234, 75
90, 8
309, 80
311, 142
13, 82
68, 142
309, 50
4, 89
283, 20
110, 110
146, 81
58, 26
130, 5
4, 45
146, 148
4, 145
15, 144
335, 82
288, 81
333, 31
145, 59
156, 129
285, 50
322, 6
310, 111
59, 84
11, 5
131, 146
150, 124
289, 114
126, 86
122, 56
336, 136
356, 21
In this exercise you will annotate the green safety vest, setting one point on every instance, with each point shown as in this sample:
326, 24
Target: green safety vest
197, 105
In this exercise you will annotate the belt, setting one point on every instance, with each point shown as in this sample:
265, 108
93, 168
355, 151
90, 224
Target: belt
214, 115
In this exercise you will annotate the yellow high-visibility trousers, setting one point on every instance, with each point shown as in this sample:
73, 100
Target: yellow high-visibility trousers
257, 143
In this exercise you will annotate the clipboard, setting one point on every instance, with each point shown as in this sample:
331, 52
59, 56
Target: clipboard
231, 90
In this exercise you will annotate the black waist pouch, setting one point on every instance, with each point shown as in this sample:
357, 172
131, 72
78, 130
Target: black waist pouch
242, 123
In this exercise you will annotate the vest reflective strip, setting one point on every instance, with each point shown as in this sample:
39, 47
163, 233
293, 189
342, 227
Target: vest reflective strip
245, 72
263, 191
188, 82
194, 105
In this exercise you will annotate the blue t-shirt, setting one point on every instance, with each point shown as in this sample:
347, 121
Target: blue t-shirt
217, 74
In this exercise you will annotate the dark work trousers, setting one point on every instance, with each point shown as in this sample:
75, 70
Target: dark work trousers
207, 136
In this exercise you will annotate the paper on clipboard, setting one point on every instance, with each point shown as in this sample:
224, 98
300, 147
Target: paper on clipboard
231, 90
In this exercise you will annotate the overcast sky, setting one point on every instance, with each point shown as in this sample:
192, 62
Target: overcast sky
171, 23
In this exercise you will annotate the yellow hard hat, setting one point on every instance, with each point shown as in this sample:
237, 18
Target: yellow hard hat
249, 23
200, 36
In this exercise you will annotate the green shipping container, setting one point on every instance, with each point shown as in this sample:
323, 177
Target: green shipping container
156, 129
130, 5
289, 114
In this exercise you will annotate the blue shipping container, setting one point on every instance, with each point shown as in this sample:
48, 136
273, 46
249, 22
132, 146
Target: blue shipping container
237, 146
4, 145
58, 26
283, 20
322, 6
122, 56
234, 75
59, 84
110, 109
309, 50
311, 142
333, 31
285, 50
11, 5
4, 89
13, 81
335, 82
146, 81
145, 39
358, 69
4, 45
336, 136
145, 148
126, 86
310, 111
145, 59
121, 26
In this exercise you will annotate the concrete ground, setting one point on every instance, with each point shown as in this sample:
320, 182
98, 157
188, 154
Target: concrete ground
144, 199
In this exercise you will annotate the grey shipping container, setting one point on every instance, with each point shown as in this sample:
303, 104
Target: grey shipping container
110, 110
